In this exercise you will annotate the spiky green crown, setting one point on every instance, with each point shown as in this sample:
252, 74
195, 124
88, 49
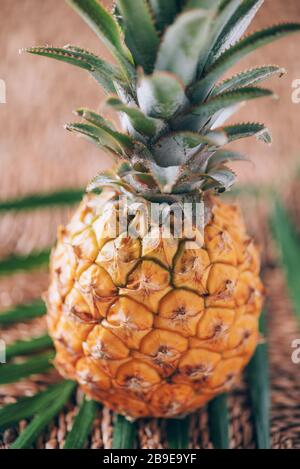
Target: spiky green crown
171, 55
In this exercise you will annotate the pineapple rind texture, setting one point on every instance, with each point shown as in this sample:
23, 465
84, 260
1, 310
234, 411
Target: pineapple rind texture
153, 329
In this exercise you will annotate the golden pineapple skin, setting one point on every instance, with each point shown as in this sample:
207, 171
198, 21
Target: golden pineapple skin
148, 327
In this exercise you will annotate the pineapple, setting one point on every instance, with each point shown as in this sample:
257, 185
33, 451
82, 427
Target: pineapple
149, 324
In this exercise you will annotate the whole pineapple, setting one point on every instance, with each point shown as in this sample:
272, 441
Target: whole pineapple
150, 325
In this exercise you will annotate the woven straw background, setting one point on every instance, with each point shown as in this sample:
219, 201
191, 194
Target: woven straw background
36, 154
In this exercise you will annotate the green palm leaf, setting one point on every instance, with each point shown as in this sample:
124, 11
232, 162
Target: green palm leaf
41, 200
25, 347
178, 433
15, 263
13, 372
42, 419
218, 418
258, 378
82, 425
124, 433
287, 239
23, 312
27, 407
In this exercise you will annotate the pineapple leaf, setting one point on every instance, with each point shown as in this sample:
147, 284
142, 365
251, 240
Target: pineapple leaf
249, 78
176, 148
140, 33
182, 44
43, 418
116, 142
94, 118
204, 4
82, 425
220, 20
23, 312
26, 407
218, 418
107, 179
230, 57
103, 72
237, 23
26, 347
124, 435
224, 156
16, 262
164, 177
220, 179
40, 200
237, 131
141, 182
16, 371
178, 433
198, 116
164, 12
160, 95
258, 378
142, 124
105, 26
180, 4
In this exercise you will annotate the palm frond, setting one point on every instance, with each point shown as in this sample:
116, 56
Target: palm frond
17, 262
178, 433
219, 422
26, 347
124, 434
12, 372
82, 425
28, 436
258, 378
23, 312
42, 200
27, 407
287, 239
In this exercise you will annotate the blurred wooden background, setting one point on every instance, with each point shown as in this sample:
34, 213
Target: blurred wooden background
38, 154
